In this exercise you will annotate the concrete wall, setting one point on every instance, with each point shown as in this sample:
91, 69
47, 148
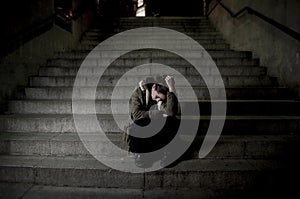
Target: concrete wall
18, 15
16, 67
276, 50
25, 61
85, 20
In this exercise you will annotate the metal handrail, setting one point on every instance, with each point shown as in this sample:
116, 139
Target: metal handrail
251, 11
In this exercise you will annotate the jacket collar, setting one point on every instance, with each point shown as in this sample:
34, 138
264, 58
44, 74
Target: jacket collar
144, 88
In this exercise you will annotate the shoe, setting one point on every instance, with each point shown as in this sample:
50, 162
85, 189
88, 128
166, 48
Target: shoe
155, 14
166, 162
141, 161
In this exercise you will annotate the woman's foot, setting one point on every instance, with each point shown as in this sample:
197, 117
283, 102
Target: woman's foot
141, 161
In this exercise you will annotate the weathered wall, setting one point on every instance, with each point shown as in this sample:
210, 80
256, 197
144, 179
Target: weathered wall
18, 15
25, 61
81, 24
16, 67
276, 50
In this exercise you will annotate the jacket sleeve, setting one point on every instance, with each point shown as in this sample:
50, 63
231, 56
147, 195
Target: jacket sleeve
171, 106
138, 109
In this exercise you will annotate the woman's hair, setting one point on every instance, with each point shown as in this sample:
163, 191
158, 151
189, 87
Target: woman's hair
159, 82
161, 89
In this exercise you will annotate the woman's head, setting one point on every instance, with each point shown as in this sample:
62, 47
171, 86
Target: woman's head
158, 92
158, 88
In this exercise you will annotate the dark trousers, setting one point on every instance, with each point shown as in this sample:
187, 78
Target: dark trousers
157, 141
152, 6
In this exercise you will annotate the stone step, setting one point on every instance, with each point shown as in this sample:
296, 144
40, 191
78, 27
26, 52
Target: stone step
52, 123
88, 172
59, 71
212, 80
89, 41
169, 23
90, 36
201, 92
101, 37
170, 19
163, 24
182, 22
158, 24
191, 34
144, 53
161, 36
234, 107
169, 61
188, 29
179, 46
163, 21
179, 27
32, 191
69, 144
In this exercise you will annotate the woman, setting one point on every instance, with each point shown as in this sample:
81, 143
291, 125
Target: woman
153, 109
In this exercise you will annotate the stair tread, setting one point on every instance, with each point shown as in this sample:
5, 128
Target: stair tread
33, 191
142, 75
69, 144
154, 57
109, 116
184, 100
98, 87
147, 51
61, 137
232, 92
74, 171
193, 165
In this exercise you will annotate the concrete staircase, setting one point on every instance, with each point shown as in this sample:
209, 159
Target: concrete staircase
42, 155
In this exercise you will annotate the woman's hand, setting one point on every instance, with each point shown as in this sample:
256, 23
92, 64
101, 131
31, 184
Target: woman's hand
170, 82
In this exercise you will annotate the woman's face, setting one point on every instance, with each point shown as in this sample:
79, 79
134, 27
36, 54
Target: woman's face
156, 96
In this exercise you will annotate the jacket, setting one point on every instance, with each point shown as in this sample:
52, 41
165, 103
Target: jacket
143, 107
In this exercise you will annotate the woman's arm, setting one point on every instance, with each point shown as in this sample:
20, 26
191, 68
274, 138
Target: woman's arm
171, 106
138, 110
